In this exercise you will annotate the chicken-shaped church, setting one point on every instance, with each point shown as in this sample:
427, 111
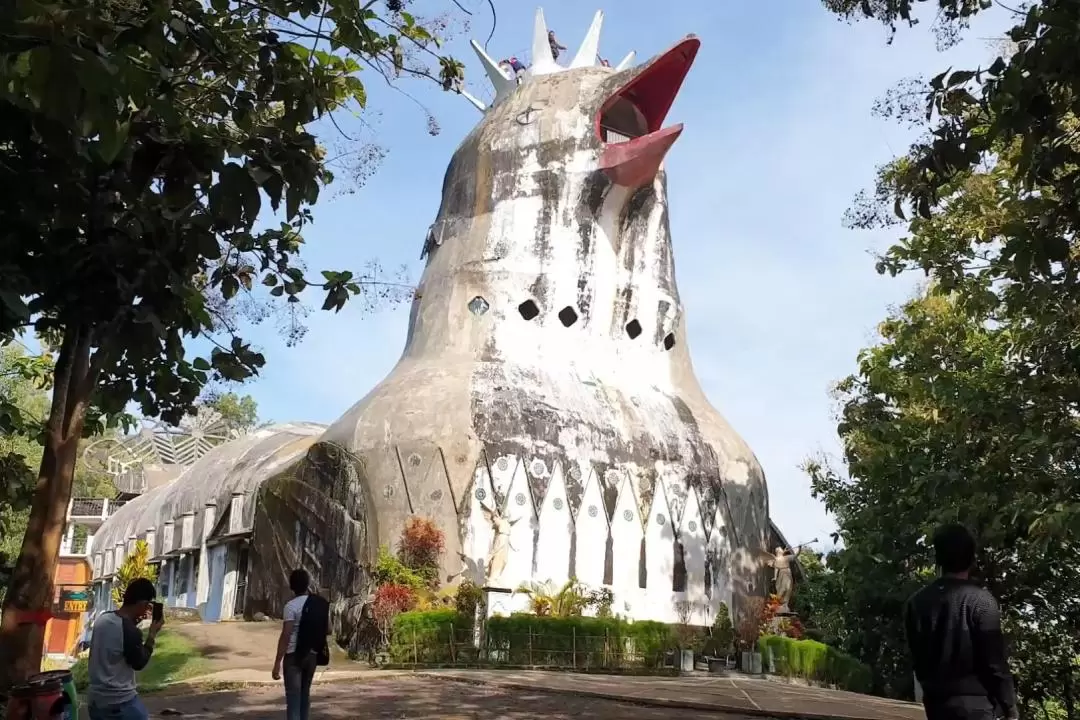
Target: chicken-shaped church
544, 413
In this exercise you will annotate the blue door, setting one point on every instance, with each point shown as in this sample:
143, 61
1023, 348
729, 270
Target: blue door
216, 568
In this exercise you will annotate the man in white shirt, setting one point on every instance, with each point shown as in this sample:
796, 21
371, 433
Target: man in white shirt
298, 671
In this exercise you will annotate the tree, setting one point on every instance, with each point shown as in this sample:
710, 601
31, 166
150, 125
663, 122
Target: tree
22, 406
239, 413
936, 427
24, 382
136, 565
968, 407
139, 142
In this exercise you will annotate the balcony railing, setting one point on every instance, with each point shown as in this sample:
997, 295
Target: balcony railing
97, 508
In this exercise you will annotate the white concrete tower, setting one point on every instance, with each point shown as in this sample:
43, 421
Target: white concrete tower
547, 339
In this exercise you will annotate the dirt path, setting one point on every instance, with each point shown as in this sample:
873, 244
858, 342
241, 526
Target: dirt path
412, 698
240, 645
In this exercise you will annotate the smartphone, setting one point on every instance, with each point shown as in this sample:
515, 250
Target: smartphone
159, 613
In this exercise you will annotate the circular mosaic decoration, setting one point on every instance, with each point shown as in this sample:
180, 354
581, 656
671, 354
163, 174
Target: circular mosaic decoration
593, 512
612, 476
627, 515
575, 472
414, 460
692, 526
557, 503
480, 494
502, 464
660, 519
388, 491
520, 498
436, 494
539, 469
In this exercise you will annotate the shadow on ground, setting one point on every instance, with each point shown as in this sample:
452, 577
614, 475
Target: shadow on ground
410, 698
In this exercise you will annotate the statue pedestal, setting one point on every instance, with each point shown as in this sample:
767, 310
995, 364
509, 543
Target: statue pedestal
497, 601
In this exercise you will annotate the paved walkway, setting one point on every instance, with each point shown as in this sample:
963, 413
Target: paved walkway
414, 698
735, 695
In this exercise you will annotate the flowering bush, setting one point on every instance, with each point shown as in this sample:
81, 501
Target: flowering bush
790, 627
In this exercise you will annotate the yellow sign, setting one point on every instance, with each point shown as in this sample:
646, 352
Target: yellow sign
75, 606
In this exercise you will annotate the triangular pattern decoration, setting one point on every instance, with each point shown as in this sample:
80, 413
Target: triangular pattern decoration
575, 477
540, 471
433, 494
611, 480
646, 483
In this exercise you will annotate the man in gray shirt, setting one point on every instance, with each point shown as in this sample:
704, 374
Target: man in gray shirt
117, 650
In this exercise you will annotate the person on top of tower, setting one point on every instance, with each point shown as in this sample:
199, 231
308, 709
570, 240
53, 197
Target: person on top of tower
555, 46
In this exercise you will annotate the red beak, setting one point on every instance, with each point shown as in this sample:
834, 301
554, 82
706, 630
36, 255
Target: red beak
635, 161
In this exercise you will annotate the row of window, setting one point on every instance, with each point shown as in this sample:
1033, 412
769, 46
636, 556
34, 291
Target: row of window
108, 561
567, 316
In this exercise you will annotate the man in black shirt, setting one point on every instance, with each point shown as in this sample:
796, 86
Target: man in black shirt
954, 633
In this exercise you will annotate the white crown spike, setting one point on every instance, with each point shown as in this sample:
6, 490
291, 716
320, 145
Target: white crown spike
473, 100
626, 61
505, 80
504, 85
542, 61
590, 46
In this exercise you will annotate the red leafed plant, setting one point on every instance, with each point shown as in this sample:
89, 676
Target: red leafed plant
390, 600
421, 544
790, 627
768, 612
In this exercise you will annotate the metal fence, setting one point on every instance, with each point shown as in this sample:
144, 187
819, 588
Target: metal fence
532, 649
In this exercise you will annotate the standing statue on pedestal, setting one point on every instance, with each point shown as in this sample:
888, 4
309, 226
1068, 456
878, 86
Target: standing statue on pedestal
783, 580
500, 545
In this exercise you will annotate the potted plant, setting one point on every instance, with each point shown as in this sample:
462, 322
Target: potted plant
747, 634
686, 636
721, 639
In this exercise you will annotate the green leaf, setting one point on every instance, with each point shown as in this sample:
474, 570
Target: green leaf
960, 77
229, 286
112, 140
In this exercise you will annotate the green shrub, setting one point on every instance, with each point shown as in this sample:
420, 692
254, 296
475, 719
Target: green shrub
815, 662
435, 637
391, 571
430, 637
576, 642
467, 597
722, 635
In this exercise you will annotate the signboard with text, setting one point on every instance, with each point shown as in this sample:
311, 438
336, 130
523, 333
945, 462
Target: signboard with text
74, 600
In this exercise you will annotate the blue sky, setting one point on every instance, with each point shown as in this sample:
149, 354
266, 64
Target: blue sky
779, 137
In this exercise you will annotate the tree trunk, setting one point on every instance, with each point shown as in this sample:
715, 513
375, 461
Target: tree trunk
31, 587
1067, 691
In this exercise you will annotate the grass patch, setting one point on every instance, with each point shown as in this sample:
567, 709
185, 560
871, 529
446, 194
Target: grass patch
174, 659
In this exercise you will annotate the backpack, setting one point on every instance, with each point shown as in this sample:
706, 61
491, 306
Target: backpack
313, 630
